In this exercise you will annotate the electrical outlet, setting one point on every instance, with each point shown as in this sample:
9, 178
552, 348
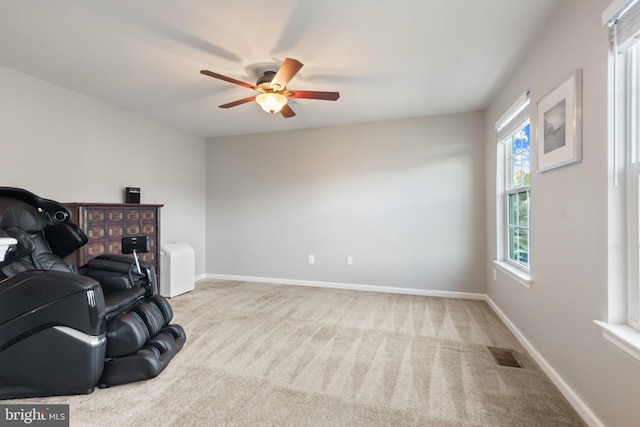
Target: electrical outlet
349, 260
312, 259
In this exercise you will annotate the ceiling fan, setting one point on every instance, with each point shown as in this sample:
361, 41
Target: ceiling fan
273, 90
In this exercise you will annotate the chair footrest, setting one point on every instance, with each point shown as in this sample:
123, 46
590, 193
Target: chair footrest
145, 364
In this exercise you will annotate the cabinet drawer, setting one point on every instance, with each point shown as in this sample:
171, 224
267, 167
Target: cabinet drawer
93, 249
133, 230
148, 228
95, 215
148, 257
115, 215
96, 231
133, 215
115, 231
148, 214
114, 247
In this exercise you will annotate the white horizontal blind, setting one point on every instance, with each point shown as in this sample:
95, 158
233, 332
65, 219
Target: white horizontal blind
625, 24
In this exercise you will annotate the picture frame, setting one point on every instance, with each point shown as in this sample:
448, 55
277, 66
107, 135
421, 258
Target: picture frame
559, 124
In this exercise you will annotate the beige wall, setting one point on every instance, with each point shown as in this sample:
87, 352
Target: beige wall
404, 198
569, 220
72, 148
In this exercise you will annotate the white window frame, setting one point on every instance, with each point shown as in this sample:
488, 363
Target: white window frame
622, 326
629, 70
514, 191
511, 122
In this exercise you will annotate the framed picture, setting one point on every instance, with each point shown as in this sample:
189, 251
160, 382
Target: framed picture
559, 124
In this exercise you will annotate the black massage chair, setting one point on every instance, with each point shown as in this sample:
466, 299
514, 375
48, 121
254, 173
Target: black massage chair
65, 330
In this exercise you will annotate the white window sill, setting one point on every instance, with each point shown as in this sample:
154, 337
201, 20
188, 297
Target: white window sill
624, 337
519, 275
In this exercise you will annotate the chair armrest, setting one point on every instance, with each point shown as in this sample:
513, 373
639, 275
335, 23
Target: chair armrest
119, 272
32, 299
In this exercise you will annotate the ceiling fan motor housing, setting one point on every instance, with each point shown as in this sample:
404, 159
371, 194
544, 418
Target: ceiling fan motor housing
265, 80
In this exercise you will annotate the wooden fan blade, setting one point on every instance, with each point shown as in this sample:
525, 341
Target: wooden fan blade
227, 79
311, 94
288, 69
238, 102
287, 111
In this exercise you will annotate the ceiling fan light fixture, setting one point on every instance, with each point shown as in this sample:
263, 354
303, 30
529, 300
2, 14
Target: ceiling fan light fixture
271, 102
274, 96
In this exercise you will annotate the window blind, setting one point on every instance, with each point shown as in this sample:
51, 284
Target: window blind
625, 24
514, 117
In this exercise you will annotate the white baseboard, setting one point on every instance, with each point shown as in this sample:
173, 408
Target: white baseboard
350, 286
576, 402
574, 399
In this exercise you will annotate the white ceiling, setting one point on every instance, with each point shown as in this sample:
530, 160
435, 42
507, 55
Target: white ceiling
387, 58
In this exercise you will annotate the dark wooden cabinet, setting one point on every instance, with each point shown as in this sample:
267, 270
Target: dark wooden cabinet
106, 224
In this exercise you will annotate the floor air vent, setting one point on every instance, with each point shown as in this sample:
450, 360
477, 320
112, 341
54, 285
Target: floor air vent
504, 357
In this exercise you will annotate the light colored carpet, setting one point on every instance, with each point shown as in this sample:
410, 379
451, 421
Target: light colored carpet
263, 354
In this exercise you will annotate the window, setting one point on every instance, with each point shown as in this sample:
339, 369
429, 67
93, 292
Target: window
517, 195
626, 78
513, 180
622, 327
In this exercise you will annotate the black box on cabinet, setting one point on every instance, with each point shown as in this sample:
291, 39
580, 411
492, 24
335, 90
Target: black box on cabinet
132, 195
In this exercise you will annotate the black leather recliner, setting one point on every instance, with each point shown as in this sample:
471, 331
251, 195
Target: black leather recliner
65, 330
